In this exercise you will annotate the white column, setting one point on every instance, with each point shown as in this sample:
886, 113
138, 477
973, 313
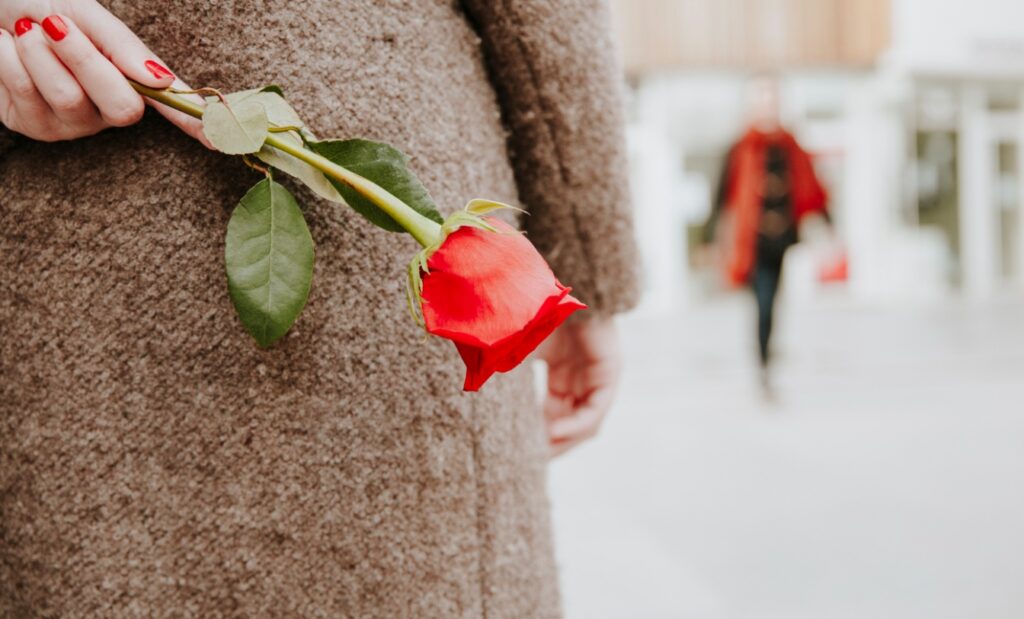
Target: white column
655, 168
870, 191
1019, 245
979, 225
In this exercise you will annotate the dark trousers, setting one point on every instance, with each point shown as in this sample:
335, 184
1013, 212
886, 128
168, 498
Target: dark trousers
765, 283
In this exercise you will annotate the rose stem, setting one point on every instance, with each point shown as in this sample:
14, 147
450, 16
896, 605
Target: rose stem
425, 231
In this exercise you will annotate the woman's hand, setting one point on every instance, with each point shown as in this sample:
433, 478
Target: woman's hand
62, 71
584, 361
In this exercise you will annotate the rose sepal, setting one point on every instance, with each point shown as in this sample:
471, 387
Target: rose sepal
472, 215
487, 289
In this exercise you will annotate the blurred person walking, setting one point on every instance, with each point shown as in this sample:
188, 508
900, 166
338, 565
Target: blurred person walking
766, 189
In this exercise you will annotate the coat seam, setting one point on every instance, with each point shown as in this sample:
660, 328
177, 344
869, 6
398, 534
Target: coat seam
556, 147
480, 507
505, 12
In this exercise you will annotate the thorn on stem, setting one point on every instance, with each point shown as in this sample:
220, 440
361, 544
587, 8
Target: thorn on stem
256, 166
203, 92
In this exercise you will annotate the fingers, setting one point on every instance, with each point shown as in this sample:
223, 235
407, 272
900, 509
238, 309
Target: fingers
5, 97
557, 449
569, 432
559, 401
118, 103
583, 374
118, 43
57, 74
557, 406
582, 423
133, 59
22, 103
53, 80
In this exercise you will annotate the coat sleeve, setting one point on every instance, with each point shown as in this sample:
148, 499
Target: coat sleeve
559, 83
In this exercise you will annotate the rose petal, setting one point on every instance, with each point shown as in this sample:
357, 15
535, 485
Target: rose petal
495, 297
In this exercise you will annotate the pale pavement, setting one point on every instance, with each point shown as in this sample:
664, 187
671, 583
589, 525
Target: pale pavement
887, 481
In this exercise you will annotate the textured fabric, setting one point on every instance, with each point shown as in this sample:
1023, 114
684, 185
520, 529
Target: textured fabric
7, 140
154, 462
558, 83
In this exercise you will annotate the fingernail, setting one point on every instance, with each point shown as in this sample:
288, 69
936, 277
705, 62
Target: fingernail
55, 27
158, 70
23, 25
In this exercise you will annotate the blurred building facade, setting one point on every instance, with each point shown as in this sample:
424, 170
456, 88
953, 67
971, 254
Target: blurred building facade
914, 110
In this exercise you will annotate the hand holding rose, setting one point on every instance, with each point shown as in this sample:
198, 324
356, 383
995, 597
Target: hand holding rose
62, 71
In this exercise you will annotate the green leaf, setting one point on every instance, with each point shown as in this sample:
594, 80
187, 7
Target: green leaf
236, 97
279, 111
384, 165
269, 258
480, 206
273, 88
238, 130
281, 114
312, 177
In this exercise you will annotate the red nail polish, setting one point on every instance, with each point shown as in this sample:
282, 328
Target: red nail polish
22, 26
55, 27
158, 70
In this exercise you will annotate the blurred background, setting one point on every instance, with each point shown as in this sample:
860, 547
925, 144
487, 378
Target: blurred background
883, 473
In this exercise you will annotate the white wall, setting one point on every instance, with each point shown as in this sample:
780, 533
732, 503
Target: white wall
959, 36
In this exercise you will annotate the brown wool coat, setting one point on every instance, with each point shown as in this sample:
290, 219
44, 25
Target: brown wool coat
155, 463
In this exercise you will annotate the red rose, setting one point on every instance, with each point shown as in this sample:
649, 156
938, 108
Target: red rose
494, 296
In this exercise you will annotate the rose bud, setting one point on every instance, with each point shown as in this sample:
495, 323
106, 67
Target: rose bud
491, 292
